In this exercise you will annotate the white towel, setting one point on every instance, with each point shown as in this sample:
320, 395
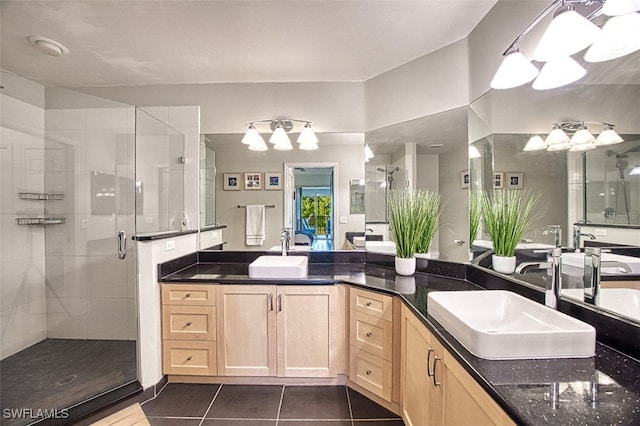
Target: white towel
254, 230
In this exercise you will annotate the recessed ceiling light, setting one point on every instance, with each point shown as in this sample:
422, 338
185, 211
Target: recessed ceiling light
48, 46
436, 145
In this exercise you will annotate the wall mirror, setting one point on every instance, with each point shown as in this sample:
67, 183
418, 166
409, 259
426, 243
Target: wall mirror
232, 176
428, 153
598, 186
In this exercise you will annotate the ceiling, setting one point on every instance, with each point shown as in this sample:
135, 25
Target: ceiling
151, 42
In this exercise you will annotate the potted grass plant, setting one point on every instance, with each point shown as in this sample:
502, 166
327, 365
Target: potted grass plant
474, 219
506, 216
412, 221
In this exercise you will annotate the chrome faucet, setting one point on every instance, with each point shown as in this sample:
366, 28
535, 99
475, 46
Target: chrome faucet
554, 264
556, 230
593, 265
285, 240
577, 233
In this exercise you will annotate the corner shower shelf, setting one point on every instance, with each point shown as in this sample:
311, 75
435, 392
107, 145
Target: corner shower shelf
37, 196
41, 220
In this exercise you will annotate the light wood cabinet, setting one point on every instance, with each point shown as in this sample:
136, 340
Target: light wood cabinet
284, 331
436, 390
371, 343
189, 329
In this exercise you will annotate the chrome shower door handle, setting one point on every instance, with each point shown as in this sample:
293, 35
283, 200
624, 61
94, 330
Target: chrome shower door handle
122, 245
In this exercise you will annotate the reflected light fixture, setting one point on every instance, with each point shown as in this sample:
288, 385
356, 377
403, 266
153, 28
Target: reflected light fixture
571, 31
581, 138
635, 171
368, 153
307, 139
473, 152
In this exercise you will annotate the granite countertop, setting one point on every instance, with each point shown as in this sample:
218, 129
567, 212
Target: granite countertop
601, 390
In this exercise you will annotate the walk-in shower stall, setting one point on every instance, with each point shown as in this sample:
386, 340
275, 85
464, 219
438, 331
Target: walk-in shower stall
79, 175
380, 180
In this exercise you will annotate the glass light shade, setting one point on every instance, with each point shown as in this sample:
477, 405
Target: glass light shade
258, 145
582, 137
583, 147
252, 136
620, 7
620, 36
635, 171
568, 33
308, 146
535, 143
280, 139
556, 136
515, 70
473, 152
559, 146
559, 72
608, 137
368, 153
307, 135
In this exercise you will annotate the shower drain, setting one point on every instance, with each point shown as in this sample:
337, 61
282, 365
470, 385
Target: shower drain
66, 380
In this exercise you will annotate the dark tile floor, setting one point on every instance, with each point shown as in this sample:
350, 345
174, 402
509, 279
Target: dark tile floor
57, 373
247, 405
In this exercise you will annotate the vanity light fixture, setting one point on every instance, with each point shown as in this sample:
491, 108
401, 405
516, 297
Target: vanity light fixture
635, 171
280, 139
569, 33
474, 153
368, 153
581, 140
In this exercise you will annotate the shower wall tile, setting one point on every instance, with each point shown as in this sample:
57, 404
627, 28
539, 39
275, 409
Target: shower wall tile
133, 319
114, 119
67, 318
21, 282
106, 276
22, 326
66, 276
184, 116
108, 319
17, 113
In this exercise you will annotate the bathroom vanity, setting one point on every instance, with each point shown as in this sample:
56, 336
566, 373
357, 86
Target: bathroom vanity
353, 321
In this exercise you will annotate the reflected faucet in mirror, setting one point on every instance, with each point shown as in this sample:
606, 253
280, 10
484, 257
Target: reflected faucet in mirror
554, 284
577, 233
556, 231
285, 239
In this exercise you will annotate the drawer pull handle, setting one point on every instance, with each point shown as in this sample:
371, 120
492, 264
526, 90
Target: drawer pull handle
368, 372
368, 304
435, 363
429, 373
189, 358
189, 324
187, 295
368, 334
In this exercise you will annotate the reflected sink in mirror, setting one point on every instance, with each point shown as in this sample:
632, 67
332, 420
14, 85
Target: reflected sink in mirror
389, 247
623, 301
497, 324
291, 248
521, 246
279, 267
576, 260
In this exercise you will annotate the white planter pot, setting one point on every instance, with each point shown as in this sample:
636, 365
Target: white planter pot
405, 266
504, 265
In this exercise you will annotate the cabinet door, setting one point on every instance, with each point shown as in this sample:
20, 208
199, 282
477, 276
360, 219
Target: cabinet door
421, 398
465, 402
246, 330
307, 331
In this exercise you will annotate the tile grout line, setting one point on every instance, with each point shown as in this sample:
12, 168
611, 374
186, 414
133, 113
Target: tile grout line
346, 389
280, 405
210, 405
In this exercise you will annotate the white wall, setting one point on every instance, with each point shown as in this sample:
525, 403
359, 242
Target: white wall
232, 157
454, 220
150, 254
22, 250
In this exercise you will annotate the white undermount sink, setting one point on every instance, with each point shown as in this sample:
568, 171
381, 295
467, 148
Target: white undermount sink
496, 324
279, 267
576, 260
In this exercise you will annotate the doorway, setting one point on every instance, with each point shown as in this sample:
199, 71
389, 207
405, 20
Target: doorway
310, 207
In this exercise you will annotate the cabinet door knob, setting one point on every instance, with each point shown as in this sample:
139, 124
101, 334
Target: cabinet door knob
368, 372
368, 334
189, 324
189, 358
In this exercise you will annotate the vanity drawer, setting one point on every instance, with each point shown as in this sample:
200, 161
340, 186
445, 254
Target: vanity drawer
188, 322
191, 358
371, 303
371, 372
191, 294
371, 334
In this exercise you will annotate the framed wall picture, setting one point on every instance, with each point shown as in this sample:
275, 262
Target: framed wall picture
252, 180
498, 180
514, 180
231, 182
273, 180
464, 179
